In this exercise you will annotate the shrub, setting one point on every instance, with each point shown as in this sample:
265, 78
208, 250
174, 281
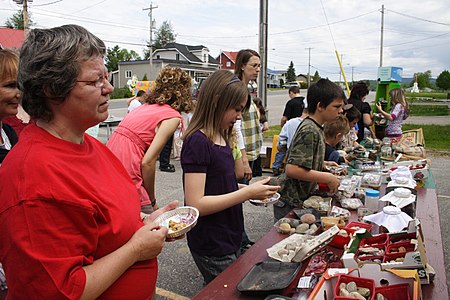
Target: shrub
119, 93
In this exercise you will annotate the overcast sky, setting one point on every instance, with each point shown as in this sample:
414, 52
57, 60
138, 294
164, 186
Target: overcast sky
416, 33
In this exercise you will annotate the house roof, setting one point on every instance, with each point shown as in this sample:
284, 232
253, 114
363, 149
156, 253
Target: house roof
11, 38
276, 72
185, 50
231, 55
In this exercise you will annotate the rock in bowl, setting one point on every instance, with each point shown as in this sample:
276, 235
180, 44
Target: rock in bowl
266, 201
179, 221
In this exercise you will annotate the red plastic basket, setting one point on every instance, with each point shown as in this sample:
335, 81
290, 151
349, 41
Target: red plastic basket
402, 237
409, 247
349, 226
393, 256
374, 241
371, 258
360, 282
340, 241
394, 292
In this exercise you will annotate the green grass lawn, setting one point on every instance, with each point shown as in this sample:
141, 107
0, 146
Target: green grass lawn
426, 110
435, 95
436, 136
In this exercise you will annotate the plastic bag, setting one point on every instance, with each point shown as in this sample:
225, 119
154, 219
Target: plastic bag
351, 203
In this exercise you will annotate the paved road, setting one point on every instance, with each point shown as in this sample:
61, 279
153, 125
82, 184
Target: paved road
178, 276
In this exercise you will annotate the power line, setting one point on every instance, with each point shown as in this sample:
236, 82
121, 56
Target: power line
88, 7
45, 4
418, 18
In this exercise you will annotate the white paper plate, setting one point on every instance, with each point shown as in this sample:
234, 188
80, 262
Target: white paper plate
265, 202
184, 214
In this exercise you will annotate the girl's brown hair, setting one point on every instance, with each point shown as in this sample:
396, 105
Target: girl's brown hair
397, 96
9, 64
173, 87
220, 92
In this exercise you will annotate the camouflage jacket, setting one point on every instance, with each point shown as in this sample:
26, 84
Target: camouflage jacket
307, 150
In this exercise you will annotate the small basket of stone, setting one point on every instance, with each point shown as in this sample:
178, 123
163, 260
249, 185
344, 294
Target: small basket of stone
351, 287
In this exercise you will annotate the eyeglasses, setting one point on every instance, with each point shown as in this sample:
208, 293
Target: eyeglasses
254, 65
99, 83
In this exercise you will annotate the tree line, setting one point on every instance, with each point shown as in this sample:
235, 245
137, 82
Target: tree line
165, 34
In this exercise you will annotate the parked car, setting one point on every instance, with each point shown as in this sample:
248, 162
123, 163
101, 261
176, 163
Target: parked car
290, 84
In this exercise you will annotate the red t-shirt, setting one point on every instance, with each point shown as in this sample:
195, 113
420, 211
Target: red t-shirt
63, 206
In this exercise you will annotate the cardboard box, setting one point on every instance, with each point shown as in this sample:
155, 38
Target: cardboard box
416, 259
325, 287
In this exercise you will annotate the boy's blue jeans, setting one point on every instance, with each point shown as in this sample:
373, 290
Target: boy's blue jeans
278, 161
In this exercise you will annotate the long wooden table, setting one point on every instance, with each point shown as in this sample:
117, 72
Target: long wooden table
224, 286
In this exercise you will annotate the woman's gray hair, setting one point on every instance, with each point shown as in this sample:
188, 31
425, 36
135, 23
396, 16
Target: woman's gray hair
50, 61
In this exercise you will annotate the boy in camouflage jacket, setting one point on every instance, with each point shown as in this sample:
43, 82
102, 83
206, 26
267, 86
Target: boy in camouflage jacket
305, 160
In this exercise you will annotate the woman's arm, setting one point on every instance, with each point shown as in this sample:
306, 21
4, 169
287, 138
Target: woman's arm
146, 243
194, 192
165, 130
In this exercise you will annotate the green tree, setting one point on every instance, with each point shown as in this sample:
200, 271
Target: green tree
116, 54
443, 80
145, 77
163, 35
290, 75
316, 76
423, 79
16, 21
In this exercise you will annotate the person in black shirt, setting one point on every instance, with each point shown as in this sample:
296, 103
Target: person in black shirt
357, 95
294, 107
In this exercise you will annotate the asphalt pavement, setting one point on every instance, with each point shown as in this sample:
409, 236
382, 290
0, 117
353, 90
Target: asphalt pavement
178, 277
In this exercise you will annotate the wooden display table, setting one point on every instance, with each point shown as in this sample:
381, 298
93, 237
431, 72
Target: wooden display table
224, 286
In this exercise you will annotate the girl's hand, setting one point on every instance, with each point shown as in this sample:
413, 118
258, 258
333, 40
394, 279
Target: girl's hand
261, 190
378, 105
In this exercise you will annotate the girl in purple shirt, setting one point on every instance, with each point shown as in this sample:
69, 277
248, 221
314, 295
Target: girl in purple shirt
399, 113
208, 175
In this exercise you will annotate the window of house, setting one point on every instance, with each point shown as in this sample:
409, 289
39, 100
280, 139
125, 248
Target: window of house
228, 64
205, 57
157, 56
177, 56
128, 74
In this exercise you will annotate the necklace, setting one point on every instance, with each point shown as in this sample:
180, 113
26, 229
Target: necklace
47, 127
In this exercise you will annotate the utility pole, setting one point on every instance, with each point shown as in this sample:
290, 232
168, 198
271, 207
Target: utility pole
352, 73
263, 25
25, 15
150, 48
381, 39
309, 66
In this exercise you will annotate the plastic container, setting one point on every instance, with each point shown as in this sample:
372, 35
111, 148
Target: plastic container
402, 237
360, 255
360, 282
371, 259
340, 241
394, 292
390, 258
371, 200
374, 241
394, 247
352, 226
